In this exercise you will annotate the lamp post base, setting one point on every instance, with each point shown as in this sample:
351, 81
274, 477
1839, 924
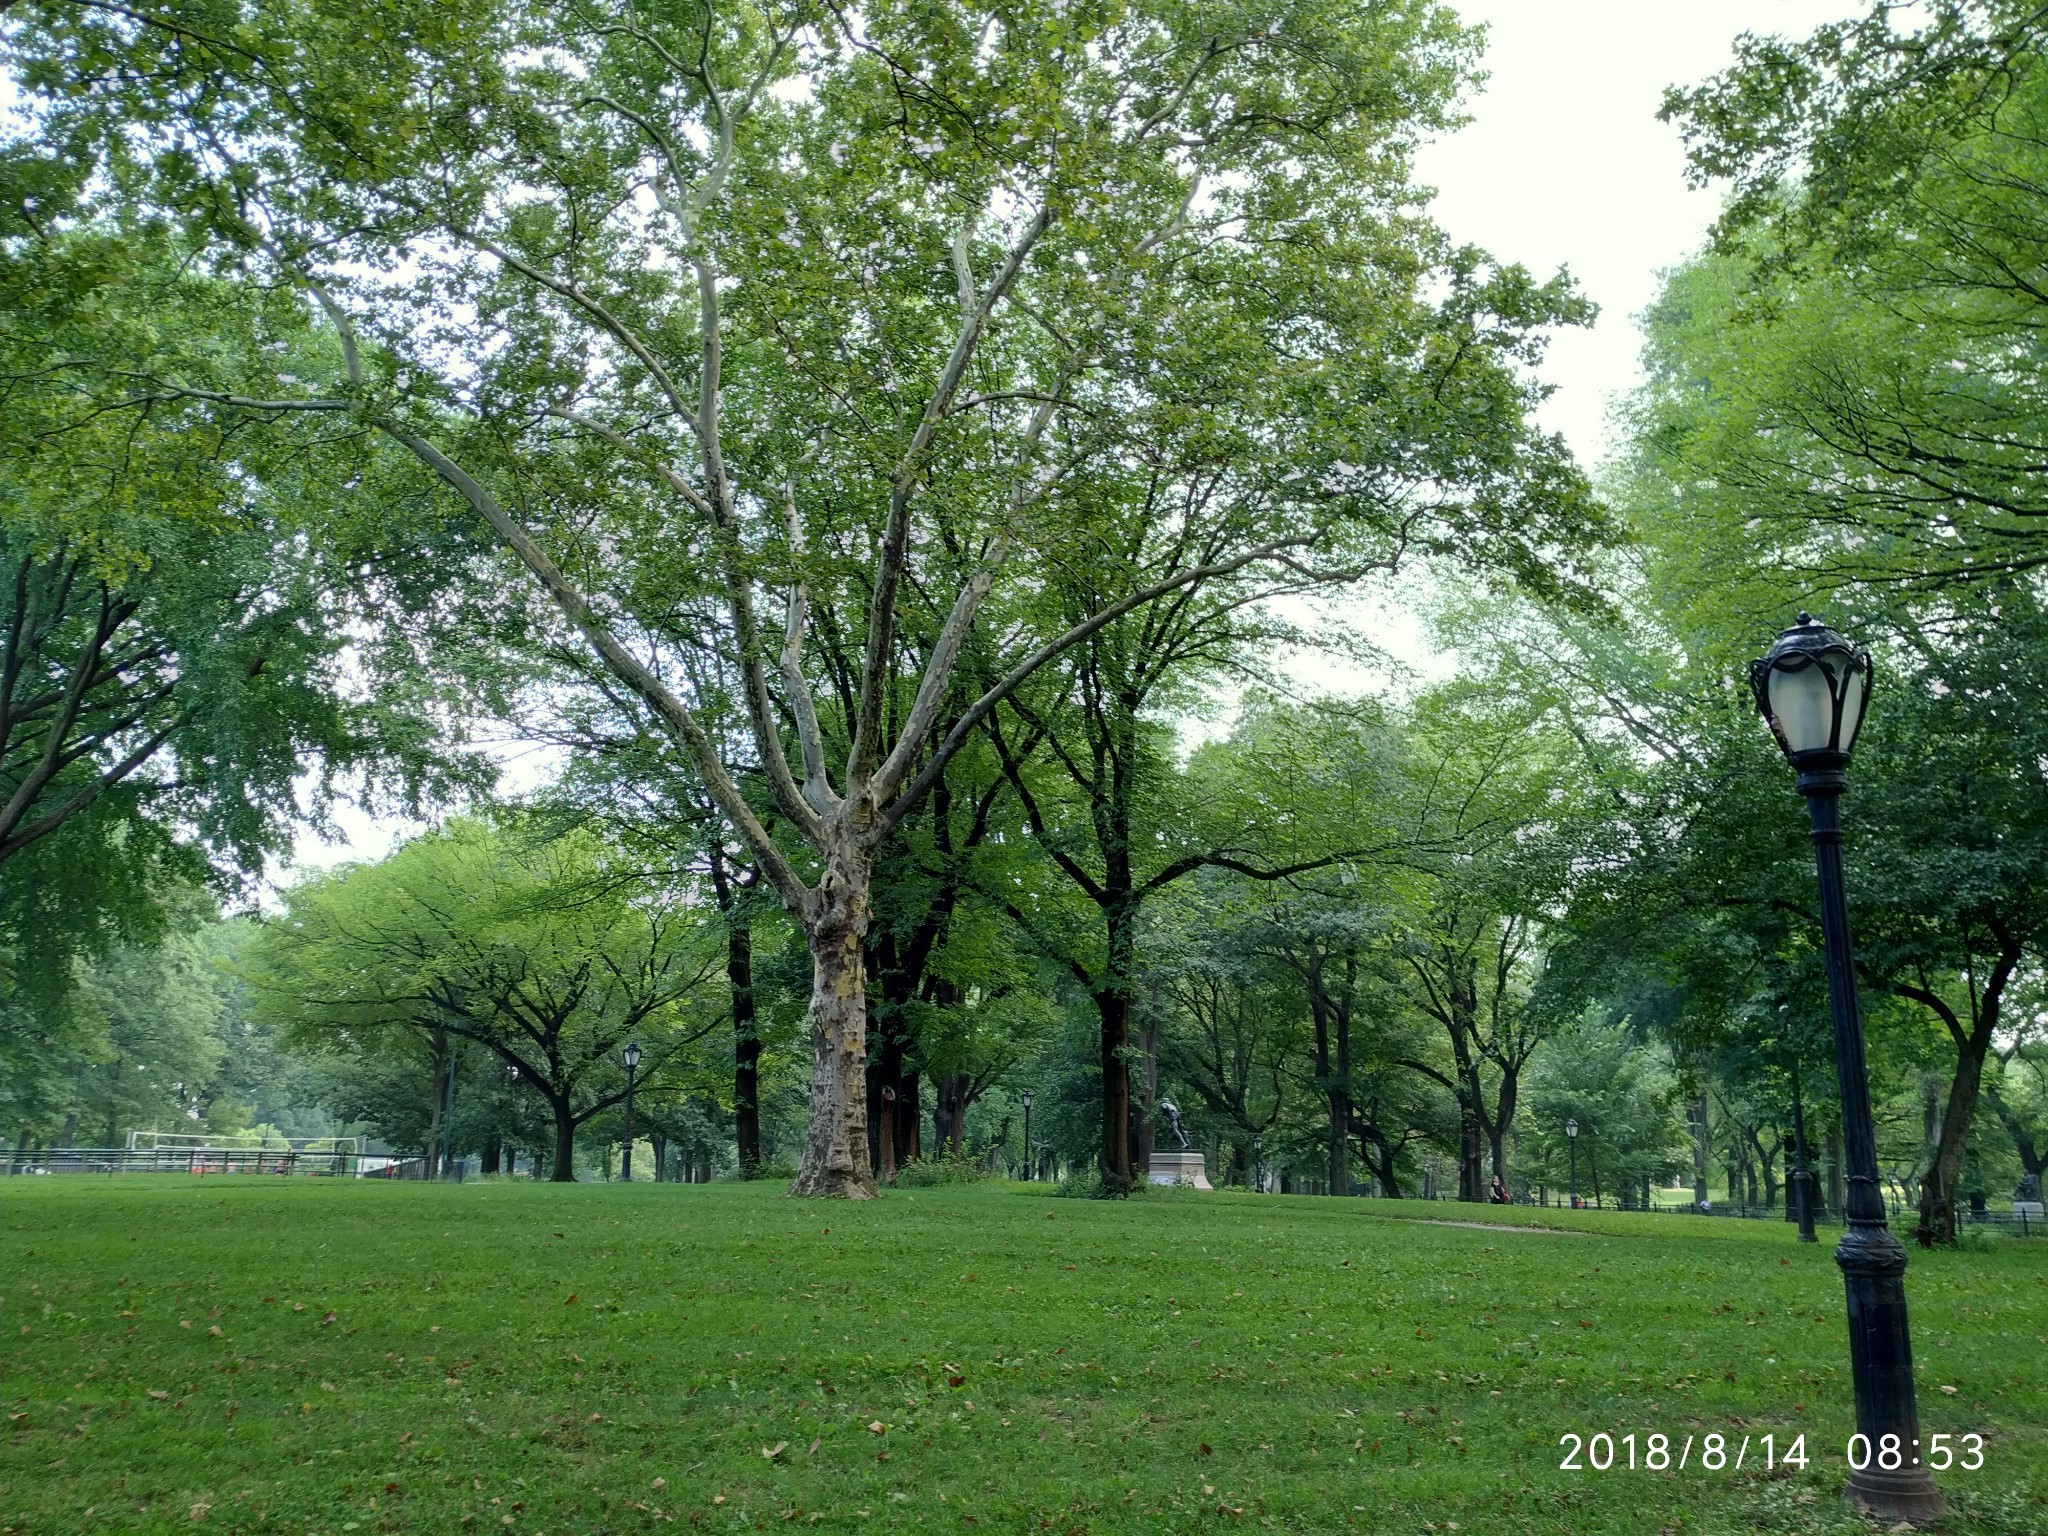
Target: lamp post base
1873, 1265
1907, 1494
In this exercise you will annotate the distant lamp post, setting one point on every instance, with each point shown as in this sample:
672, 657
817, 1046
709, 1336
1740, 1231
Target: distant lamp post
1799, 1202
1571, 1139
1802, 1175
1259, 1161
1811, 690
1030, 1168
632, 1055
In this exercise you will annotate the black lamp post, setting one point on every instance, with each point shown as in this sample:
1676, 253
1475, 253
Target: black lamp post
1571, 1137
1811, 690
1802, 1176
1799, 1186
1030, 1168
632, 1055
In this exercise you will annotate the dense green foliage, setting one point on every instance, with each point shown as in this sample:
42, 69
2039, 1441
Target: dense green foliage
542, 951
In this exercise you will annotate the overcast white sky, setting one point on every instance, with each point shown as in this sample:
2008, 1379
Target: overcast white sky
1564, 164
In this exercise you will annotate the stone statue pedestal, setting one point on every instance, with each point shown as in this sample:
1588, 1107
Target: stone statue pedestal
1177, 1168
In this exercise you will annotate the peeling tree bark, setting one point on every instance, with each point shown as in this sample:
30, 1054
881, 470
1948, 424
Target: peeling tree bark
835, 1161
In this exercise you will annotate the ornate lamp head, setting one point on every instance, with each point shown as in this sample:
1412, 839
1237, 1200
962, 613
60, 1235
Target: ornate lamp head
1812, 689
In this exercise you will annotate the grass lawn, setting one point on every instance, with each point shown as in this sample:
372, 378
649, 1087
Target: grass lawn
306, 1356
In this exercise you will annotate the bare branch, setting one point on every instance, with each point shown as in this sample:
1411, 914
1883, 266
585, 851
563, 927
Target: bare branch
682, 725
975, 713
797, 687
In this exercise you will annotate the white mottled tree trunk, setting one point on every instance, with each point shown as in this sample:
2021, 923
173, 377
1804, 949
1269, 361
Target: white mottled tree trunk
835, 1161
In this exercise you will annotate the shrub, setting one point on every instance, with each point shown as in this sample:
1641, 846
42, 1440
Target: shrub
949, 1167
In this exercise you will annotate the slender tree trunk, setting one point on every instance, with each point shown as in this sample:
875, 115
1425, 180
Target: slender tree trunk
835, 1160
1113, 1008
885, 1070
1696, 1112
1838, 1193
658, 1144
746, 1048
1461, 1022
1377, 1154
1503, 1119
443, 1063
1973, 1043
1337, 1143
1471, 1157
1938, 1185
1148, 1080
1333, 1069
2032, 1158
909, 1119
949, 1114
562, 1166
885, 1140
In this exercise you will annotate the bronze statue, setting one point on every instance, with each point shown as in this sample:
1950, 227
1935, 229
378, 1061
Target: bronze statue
1172, 1112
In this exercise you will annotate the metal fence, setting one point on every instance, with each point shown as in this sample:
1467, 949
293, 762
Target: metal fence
2020, 1223
196, 1160
410, 1168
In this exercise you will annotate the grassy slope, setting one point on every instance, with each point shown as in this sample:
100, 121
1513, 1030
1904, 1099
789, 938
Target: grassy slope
582, 1359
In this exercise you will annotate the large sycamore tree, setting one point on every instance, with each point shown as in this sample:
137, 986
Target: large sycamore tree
760, 330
